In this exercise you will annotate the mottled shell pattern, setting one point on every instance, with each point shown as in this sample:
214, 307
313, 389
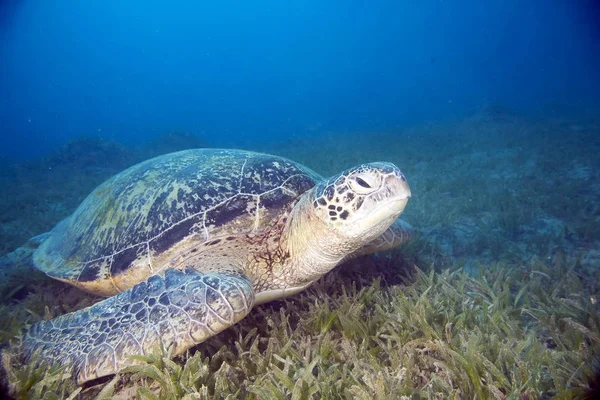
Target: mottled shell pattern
135, 223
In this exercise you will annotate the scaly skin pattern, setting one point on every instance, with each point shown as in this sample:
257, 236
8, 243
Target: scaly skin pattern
176, 311
208, 233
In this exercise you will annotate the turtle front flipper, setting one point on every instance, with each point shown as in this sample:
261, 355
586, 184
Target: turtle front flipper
399, 232
176, 312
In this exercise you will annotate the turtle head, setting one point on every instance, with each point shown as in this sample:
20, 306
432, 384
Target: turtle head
362, 202
343, 216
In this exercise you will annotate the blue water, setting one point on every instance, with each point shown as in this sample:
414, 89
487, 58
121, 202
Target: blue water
238, 71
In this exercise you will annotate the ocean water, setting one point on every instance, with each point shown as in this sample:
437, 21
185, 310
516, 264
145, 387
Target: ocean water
490, 109
240, 73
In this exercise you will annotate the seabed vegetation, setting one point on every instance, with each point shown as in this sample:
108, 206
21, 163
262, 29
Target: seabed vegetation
496, 297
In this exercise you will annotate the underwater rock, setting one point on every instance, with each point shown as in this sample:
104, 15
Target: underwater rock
90, 152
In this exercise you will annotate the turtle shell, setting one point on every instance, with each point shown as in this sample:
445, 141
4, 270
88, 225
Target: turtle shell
138, 220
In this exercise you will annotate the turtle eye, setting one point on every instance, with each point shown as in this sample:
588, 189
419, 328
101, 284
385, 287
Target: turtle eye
364, 184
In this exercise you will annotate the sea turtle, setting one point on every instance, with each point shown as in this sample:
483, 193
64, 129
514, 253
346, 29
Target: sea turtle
185, 244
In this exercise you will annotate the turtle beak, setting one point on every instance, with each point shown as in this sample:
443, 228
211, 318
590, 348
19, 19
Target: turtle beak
396, 207
399, 192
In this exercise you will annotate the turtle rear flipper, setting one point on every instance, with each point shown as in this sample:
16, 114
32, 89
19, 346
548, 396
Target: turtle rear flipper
175, 312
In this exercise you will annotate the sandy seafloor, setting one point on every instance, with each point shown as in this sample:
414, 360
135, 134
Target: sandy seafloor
492, 188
